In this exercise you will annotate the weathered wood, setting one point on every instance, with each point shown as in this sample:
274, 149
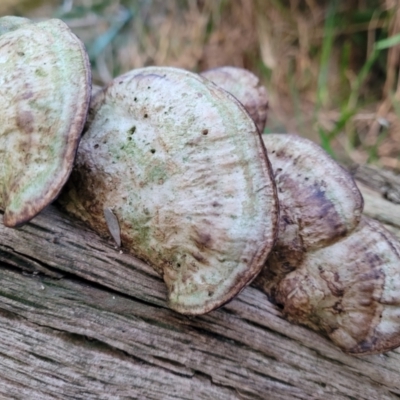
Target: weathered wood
81, 320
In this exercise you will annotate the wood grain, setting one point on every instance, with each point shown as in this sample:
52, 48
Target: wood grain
80, 320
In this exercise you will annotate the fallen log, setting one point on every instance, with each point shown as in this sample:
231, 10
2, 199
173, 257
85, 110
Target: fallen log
80, 319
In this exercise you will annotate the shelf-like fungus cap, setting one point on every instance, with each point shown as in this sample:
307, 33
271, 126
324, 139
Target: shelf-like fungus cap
319, 203
349, 290
246, 87
44, 93
181, 166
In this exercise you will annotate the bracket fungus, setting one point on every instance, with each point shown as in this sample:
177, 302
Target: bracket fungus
182, 167
349, 290
331, 269
45, 84
173, 166
318, 200
246, 87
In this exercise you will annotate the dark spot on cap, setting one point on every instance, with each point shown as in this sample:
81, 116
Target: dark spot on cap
27, 95
338, 307
198, 257
202, 239
281, 153
25, 121
336, 277
205, 132
287, 219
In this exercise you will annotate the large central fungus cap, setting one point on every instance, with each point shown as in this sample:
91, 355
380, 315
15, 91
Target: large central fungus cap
44, 99
181, 166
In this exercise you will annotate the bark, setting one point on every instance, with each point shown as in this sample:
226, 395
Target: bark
80, 319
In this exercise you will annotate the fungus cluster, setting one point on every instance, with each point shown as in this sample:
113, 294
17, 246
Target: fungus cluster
172, 165
331, 268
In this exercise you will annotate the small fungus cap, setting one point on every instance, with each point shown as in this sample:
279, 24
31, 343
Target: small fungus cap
319, 202
181, 166
44, 97
246, 87
349, 290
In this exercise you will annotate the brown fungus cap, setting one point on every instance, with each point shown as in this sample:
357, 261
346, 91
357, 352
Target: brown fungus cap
319, 203
44, 94
246, 87
331, 269
181, 166
349, 290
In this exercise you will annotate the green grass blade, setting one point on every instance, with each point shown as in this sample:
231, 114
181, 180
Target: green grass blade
388, 42
98, 46
327, 44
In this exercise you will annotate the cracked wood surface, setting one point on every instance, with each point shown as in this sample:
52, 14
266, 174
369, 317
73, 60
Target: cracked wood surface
80, 320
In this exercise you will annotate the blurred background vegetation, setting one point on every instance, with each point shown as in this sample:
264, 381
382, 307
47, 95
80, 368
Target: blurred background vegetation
331, 67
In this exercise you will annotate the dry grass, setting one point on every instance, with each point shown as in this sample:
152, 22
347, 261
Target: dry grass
308, 53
